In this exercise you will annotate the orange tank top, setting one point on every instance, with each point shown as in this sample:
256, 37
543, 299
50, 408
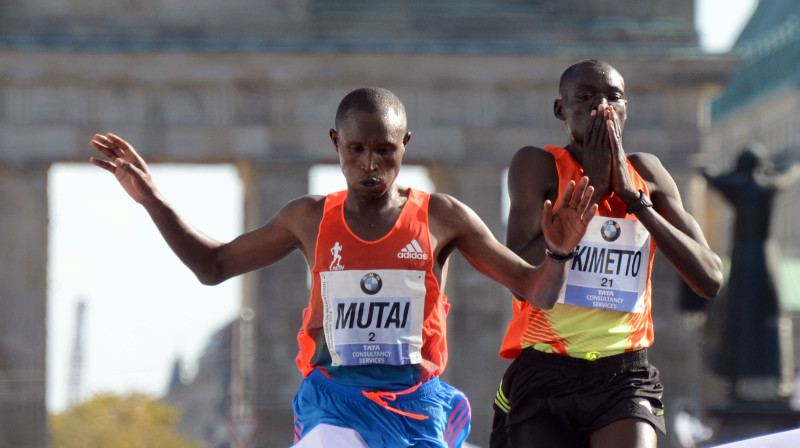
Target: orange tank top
376, 316
604, 308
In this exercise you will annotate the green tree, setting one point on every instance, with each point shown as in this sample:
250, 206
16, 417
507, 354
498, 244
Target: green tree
112, 421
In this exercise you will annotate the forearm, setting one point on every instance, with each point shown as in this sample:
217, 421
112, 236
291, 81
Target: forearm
196, 250
530, 250
697, 264
544, 283
539, 285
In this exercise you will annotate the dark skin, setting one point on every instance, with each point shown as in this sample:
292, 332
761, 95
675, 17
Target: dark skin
370, 147
594, 109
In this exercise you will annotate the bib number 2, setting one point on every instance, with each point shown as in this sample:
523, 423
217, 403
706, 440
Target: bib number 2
373, 317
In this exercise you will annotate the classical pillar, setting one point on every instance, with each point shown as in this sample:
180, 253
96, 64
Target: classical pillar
23, 300
276, 295
481, 308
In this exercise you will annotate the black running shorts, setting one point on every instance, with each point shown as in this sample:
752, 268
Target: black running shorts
557, 401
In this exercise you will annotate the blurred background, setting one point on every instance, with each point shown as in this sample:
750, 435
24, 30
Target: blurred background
231, 105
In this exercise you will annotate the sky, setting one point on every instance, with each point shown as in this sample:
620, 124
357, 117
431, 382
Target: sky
719, 22
144, 309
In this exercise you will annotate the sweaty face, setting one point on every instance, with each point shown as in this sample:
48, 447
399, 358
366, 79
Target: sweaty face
371, 148
588, 87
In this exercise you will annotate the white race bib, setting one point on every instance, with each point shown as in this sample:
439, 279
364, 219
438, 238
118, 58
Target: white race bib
373, 317
610, 268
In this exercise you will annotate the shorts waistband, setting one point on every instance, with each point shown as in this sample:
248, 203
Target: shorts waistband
570, 365
424, 389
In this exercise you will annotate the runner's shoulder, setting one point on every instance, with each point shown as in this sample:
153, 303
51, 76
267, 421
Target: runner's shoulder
533, 159
305, 209
532, 169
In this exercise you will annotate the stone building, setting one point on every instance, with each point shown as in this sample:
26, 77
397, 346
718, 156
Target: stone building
256, 83
205, 400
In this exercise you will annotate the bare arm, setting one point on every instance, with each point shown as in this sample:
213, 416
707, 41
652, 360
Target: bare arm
210, 260
454, 224
674, 230
532, 179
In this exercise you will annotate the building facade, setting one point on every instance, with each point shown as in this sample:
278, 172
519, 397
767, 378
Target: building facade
761, 103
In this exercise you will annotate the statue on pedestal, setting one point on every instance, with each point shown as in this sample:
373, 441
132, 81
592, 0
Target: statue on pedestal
754, 349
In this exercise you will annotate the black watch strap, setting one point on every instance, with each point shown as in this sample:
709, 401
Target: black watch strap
559, 258
642, 202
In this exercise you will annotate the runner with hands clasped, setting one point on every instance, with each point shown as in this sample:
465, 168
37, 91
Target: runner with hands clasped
580, 376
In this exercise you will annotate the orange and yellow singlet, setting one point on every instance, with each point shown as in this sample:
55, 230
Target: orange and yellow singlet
605, 306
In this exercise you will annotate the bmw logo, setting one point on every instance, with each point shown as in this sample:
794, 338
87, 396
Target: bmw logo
371, 283
610, 230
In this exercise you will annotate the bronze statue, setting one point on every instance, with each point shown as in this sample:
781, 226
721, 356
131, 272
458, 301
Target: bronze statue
755, 339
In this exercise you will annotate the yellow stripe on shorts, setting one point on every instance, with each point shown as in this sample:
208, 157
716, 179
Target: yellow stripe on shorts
501, 400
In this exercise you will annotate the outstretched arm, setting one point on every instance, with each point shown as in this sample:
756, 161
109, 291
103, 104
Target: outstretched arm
211, 261
788, 177
564, 225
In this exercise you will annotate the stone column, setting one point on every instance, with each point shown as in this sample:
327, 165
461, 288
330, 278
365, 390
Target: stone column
481, 308
23, 300
277, 295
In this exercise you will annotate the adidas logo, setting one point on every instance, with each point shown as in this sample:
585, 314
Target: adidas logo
412, 251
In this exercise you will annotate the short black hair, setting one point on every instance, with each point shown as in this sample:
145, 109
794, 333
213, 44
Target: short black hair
371, 100
579, 65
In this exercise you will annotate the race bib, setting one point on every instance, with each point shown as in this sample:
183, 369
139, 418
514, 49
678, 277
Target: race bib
610, 268
373, 317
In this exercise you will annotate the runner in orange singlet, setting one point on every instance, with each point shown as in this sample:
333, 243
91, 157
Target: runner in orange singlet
373, 338
580, 376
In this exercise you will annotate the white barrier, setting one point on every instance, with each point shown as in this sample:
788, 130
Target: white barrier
328, 436
786, 439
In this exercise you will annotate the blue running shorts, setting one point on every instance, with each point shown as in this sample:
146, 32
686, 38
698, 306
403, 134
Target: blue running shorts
431, 414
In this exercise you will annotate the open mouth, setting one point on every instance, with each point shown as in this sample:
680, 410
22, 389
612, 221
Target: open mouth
371, 183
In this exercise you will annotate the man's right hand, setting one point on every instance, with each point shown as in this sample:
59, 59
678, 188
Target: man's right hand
565, 224
126, 165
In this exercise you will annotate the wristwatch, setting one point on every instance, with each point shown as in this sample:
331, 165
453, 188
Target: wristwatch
642, 202
559, 258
